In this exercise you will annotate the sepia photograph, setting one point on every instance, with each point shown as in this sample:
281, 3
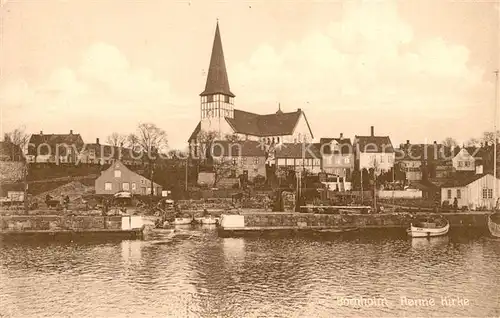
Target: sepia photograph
249, 158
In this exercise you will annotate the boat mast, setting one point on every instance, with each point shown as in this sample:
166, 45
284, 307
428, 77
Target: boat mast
495, 144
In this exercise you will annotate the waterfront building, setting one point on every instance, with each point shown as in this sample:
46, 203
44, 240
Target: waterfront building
337, 156
218, 113
120, 178
472, 192
374, 152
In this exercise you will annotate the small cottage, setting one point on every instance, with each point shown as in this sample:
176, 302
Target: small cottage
474, 191
120, 178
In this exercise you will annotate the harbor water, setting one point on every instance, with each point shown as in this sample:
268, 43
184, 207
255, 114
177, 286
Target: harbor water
198, 274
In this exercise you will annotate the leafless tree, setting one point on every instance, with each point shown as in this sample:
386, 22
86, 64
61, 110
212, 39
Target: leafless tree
449, 142
116, 139
222, 166
149, 139
473, 142
489, 137
18, 137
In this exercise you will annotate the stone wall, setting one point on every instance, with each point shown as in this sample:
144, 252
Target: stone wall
401, 220
54, 223
11, 171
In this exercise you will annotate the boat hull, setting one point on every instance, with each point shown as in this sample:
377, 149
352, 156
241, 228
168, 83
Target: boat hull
182, 221
415, 231
493, 227
209, 221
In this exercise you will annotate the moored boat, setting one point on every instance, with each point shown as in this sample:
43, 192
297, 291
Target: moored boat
429, 227
182, 221
209, 219
494, 224
338, 230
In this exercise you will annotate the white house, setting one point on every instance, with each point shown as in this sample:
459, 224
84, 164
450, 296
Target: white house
473, 192
217, 112
374, 152
463, 161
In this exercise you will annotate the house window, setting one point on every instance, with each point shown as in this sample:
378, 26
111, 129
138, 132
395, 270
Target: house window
459, 194
243, 160
485, 193
460, 164
316, 162
226, 99
467, 163
108, 186
234, 161
256, 160
381, 159
143, 181
490, 193
347, 160
133, 186
449, 194
118, 173
210, 98
125, 186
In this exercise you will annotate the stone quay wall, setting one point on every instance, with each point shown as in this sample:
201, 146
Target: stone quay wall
59, 223
400, 220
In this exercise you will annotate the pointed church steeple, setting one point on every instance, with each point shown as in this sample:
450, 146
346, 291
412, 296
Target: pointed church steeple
217, 81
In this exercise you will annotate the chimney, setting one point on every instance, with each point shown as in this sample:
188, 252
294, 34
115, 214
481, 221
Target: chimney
407, 141
435, 142
97, 140
341, 136
71, 132
372, 131
41, 132
299, 110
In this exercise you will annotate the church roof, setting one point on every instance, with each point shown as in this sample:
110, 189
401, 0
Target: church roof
217, 80
275, 124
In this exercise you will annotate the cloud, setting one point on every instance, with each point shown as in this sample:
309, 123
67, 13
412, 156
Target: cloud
369, 60
104, 89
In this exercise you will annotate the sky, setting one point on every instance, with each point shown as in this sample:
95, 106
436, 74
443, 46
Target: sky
416, 70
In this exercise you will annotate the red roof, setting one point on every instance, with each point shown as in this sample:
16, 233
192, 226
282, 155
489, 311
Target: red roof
217, 80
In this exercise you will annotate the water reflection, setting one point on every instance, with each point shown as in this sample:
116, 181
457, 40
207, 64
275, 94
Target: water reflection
430, 242
200, 274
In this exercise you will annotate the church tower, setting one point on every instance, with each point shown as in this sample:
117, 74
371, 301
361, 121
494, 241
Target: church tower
217, 101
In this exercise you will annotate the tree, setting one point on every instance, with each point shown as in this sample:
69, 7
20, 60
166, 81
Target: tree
116, 139
18, 137
473, 142
149, 139
221, 166
449, 142
489, 137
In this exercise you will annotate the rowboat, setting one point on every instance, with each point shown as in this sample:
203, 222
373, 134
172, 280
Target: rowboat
494, 224
209, 219
338, 230
182, 221
428, 227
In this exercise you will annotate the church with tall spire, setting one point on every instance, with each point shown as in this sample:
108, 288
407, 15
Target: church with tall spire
218, 114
